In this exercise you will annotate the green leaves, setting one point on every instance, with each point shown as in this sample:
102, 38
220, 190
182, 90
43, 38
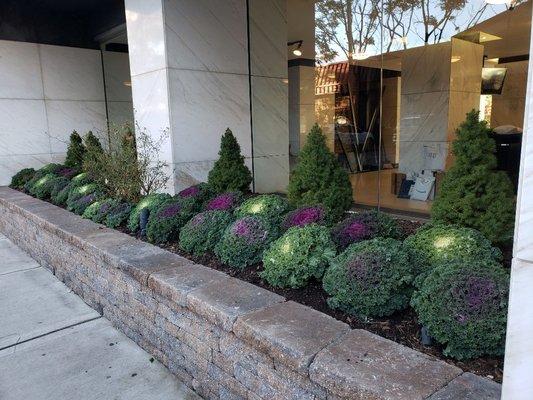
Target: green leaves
318, 178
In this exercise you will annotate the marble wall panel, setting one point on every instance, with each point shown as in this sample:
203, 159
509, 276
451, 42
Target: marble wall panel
119, 112
466, 64
117, 76
271, 173
20, 71
71, 74
206, 35
146, 35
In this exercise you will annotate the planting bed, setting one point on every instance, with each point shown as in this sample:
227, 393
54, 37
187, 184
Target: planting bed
224, 337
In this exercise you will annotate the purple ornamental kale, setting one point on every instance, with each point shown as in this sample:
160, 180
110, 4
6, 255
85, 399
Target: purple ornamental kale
224, 201
191, 191
250, 229
475, 295
304, 216
170, 211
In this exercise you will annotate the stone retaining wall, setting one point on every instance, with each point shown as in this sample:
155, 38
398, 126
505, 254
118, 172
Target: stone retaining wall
225, 338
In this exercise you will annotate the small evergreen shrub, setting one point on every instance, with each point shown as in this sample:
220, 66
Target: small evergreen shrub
269, 206
166, 221
304, 216
302, 253
78, 192
21, 178
229, 172
118, 215
151, 202
75, 151
473, 193
93, 149
371, 278
244, 241
318, 178
433, 245
463, 304
227, 201
204, 230
363, 226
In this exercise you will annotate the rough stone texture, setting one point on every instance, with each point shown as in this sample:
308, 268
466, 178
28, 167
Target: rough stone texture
469, 387
352, 365
222, 302
290, 332
224, 338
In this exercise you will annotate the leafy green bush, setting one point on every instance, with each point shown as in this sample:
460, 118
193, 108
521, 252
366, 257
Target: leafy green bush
42, 187
305, 216
81, 179
269, 206
60, 196
82, 192
226, 201
371, 278
473, 193
363, 226
318, 178
435, 244
151, 202
97, 211
40, 173
58, 185
165, 222
75, 151
300, 254
204, 230
200, 193
21, 178
244, 241
229, 172
463, 304
118, 214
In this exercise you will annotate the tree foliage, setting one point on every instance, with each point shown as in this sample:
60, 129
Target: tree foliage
75, 151
473, 193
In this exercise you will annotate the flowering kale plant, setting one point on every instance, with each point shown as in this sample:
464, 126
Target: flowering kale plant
165, 222
302, 253
98, 210
226, 201
432, 245
370, 278
79, 205
204, 230
118, 214
150, 202
21, 178
77, 192
304, 216
463, 304
245, 240
269, 206
364, 226
200, 193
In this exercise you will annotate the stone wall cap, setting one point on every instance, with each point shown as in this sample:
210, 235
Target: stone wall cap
176, 283
468, 386
289, 332
222, 302
353, 364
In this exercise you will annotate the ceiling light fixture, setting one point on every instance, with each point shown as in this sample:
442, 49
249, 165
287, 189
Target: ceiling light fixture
297, 51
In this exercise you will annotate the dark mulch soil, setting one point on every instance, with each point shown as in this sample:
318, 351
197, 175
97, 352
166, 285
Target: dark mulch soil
401, 327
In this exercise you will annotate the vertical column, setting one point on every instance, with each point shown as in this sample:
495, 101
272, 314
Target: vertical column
301, 101
269, 94
517, 383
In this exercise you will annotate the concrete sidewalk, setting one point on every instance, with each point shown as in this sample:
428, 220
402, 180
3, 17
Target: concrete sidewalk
54, 346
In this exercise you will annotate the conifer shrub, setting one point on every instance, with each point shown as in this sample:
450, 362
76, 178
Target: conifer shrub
93, 149
302, 253
473, 193
371, 278
463, 304
165, 223
432, 245
21, 178
203, 231
269, 206
318, 178
75, 151
364, 226
245, 240
229, 172
150, 202
226, 201
304, 216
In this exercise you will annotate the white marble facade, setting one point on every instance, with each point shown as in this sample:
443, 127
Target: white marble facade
190, 77
46, 92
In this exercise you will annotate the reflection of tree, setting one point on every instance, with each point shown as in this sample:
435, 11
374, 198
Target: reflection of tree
350, 27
